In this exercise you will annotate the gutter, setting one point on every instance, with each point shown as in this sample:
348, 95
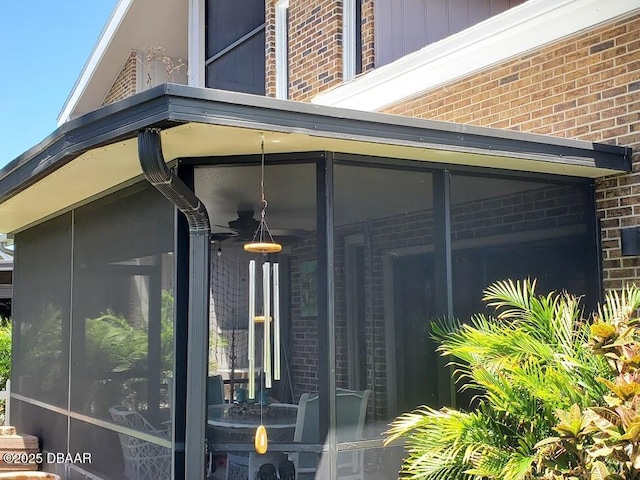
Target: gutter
174, 189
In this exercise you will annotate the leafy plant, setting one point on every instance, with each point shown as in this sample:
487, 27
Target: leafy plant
602, 441
166, 331
5, 354
528, 363
112, 345
41, 349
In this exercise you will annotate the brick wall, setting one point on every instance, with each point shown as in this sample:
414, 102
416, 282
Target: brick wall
270, 48
125, 83
367, 31
315, 46
586, 87
304, 330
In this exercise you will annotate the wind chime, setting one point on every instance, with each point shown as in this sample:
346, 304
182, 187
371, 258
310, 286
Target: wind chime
263, 243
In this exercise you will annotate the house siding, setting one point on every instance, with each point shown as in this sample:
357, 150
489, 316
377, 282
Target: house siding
586, 87
405, 26
125, 83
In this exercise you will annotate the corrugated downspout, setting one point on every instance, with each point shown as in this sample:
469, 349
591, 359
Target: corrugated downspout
163, 179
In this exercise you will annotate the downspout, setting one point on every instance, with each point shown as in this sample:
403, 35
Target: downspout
163, 179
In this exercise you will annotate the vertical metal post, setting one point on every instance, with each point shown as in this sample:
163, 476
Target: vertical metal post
326, 303
180, 332
70, 333
154, 347
594, 232
197, 355
443, 269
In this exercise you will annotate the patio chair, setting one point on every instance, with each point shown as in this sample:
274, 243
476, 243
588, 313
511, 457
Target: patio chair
215, 390
142, 460
351, 410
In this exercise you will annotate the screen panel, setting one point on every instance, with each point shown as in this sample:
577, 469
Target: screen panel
122, 340
42, 308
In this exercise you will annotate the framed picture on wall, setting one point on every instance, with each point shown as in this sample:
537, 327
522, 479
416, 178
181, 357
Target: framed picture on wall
309, 288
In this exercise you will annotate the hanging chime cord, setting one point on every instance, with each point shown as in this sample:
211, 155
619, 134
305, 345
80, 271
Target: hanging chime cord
262, 214
263, 199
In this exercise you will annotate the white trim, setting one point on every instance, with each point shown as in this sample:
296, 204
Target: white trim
141, 77
348, 39
282, 49
98, 52
521, 29
195, 66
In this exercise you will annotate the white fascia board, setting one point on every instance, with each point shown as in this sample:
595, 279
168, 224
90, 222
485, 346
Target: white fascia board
89, 69
512, 33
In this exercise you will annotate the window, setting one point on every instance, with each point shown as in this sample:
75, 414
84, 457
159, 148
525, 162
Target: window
282, 49
235, 42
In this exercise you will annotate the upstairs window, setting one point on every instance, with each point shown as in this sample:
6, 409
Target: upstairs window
235, 40
404, 26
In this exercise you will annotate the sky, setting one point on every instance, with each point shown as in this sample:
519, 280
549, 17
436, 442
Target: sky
45, 44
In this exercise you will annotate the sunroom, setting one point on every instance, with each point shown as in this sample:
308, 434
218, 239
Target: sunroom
147, 334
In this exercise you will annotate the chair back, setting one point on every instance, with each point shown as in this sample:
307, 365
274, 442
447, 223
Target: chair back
308, 420
142, 460
215, 390
351, 411
130, 418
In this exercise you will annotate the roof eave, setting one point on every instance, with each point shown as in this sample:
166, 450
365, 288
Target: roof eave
170, 105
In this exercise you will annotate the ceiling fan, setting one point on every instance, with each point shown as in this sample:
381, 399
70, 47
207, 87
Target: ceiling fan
244, 227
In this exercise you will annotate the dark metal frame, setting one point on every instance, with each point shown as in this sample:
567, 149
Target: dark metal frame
181, 331
593, 222
326, 305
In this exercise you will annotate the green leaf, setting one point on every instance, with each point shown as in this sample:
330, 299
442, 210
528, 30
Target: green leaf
599, 471
603, 330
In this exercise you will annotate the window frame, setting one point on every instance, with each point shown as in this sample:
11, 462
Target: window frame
282, 49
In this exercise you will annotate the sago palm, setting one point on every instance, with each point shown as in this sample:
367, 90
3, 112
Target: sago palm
528, 361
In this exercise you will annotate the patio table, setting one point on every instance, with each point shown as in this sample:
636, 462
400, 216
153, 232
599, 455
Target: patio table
237, 423
233, 423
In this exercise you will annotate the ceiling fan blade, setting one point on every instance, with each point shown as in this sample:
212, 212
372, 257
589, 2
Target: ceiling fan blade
218, 237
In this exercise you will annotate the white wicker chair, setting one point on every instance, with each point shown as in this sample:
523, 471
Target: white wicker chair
142, 460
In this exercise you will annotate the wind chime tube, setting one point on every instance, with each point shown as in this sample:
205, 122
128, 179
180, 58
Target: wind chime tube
266, 286
276, 322
252, 329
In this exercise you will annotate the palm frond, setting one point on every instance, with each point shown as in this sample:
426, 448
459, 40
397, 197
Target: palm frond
528, 361
510, 298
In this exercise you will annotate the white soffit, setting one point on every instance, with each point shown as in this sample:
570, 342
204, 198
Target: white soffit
105, 168
512, 33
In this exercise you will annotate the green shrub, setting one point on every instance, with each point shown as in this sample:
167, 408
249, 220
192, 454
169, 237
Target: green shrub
5, 354
559, 395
